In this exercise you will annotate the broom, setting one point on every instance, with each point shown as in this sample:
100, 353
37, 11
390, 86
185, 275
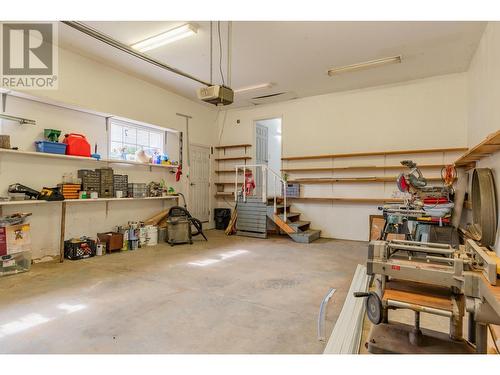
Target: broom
231, 227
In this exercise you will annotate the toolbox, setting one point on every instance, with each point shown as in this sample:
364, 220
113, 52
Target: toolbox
50, 147
79, 248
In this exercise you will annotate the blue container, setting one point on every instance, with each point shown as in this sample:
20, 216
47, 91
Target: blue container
51, 147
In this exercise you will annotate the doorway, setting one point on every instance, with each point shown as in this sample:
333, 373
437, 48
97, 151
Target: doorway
199, 182
268, 152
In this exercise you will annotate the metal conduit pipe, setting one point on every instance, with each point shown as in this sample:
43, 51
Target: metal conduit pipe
123, 47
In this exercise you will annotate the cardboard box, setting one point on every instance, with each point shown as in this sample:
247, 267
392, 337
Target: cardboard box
15, 239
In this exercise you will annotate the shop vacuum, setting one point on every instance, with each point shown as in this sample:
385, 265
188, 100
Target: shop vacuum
179, 222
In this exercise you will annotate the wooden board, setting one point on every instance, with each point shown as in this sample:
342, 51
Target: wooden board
357, 168
419, 294
375, 153
232, 146
487, 147
351, 180
234, 158
346, 200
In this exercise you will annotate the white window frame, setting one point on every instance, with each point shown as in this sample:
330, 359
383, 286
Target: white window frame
143, 127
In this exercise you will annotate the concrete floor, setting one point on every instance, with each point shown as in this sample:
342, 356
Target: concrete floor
227, 295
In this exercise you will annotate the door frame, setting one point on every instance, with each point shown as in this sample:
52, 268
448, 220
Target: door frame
210, 179
254, 132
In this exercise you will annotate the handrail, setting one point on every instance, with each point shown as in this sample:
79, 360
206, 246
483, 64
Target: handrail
264, 168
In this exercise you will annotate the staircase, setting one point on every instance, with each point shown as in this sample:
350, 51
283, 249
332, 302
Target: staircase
258, 214
298, 230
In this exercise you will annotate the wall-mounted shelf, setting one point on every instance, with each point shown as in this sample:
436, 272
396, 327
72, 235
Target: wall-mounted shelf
375, 153
90, 200
82, 158
346, 200
229, 171
224, 194
351, 180
487, 147
234, 158
63, 210
233, 146
359, 168
226, 183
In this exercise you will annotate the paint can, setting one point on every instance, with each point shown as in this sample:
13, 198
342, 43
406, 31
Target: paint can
133, 244
101, 249
152, 235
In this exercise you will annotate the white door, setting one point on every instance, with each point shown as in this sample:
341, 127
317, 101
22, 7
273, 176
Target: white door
261, 154
199, 178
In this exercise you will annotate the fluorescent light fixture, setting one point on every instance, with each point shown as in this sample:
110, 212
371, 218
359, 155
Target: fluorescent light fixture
254, 87
166, 37
365, 65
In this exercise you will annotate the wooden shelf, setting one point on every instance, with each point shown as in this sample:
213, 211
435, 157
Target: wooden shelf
351, 180
36, 201
234, 158
226, 183
228, 171
358, 168
81, 158
346, 200
233, 146
487, 147
375, 153
224, 194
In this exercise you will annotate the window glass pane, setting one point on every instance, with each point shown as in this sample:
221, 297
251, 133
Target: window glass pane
129, 135
142, 137
116, 151
156, 140
116, 133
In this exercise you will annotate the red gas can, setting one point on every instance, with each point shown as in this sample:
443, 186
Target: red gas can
77, 145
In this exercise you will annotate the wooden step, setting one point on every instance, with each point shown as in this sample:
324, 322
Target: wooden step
300, 225
307, 236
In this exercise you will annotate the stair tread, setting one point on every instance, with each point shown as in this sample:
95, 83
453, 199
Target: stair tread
308, 232
299, 223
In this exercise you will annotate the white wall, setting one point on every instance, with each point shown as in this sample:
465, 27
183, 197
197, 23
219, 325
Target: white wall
484, 99
97, 87
427, 113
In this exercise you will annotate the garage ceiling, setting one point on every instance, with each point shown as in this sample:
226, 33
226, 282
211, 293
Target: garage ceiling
294, 56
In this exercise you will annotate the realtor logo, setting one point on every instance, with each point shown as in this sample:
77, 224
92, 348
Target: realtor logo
29, 55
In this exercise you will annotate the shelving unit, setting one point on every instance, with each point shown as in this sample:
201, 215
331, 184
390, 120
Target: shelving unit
350, 180
359, 168
357, 179
347, 200
487, 147
78, 201
375, 153
82, 158
222, 158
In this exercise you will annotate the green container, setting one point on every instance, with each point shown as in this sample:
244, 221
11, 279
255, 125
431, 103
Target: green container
51, 135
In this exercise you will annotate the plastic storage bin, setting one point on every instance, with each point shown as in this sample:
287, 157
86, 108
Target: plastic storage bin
15, 263
50, 147
79, 248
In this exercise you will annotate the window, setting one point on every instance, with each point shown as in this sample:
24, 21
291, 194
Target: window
127, 138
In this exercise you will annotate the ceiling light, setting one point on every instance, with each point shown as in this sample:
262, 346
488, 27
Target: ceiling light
254, 87
167, 37
365, 65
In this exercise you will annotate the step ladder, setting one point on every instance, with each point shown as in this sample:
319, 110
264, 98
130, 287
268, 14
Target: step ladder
258, 214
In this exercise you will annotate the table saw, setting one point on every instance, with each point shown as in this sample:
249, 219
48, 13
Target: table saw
435, 279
